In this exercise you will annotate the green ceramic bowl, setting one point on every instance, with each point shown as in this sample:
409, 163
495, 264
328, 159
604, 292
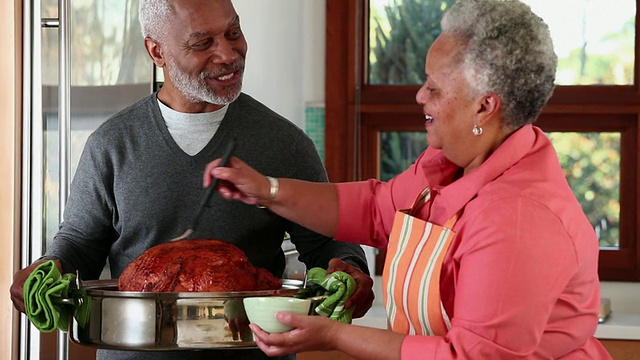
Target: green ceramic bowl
262, 311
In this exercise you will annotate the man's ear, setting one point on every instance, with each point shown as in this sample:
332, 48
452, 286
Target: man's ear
489, 108
155, 52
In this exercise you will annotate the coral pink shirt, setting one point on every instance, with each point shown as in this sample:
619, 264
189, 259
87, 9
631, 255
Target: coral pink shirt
520, 278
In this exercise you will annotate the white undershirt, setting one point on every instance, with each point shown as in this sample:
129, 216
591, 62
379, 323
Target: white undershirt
192, 131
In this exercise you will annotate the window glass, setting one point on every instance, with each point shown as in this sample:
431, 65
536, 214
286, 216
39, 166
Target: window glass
398, 150
110, 69
594, 39
591, 162
400, 34
106, 42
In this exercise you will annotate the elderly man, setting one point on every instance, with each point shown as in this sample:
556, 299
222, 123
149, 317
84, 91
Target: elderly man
139, 179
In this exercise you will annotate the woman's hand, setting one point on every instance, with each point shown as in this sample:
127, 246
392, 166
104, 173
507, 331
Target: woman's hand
313, 205
317, 333
310, 333
238, 181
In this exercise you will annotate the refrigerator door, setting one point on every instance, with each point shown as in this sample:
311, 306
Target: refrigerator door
83, 61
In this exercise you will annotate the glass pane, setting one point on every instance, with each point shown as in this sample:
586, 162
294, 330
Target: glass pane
400, 34
51, 191
591, 162
110, 69
594, 39
398, 150
49, 9
50, 148
107, 46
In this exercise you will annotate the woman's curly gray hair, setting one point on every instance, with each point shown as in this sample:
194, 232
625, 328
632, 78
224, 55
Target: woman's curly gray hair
155, 18
508, 51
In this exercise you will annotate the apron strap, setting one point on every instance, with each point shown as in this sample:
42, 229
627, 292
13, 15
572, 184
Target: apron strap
452, 221
419, 201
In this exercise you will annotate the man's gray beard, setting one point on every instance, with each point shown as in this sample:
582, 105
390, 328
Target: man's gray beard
196, 89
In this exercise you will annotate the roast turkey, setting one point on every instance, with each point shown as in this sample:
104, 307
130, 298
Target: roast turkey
195, 265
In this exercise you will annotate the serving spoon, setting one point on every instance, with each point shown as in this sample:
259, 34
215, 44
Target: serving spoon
208, 192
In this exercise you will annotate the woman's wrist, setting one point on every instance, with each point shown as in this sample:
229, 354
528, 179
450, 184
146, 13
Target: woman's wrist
274, 188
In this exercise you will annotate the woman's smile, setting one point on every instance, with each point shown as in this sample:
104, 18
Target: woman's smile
428, 121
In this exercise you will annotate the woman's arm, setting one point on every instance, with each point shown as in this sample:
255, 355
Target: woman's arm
312, 205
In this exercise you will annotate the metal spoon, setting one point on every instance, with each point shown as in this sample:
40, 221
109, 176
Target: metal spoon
209, 191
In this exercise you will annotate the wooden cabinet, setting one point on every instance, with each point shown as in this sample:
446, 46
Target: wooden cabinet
622, 349
49, 346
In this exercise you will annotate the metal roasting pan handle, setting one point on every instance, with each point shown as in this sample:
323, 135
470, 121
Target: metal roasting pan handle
72, 299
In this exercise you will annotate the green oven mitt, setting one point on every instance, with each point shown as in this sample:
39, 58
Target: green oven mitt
338, 287
41, 289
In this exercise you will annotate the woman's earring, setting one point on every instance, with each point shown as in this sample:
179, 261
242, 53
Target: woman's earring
477, 130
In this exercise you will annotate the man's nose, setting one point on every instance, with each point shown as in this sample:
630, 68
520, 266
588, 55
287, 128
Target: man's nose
224, 52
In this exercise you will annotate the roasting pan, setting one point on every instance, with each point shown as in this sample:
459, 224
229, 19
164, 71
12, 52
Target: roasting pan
107, 318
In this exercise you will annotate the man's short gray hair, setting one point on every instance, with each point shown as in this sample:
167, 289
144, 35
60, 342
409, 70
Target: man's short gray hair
507, 50
155, 18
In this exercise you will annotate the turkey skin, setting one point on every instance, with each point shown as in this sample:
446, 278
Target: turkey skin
201, 265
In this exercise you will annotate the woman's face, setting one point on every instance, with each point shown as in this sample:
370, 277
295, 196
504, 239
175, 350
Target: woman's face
448, 107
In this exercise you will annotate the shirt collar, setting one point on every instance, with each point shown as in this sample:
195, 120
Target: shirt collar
451, 196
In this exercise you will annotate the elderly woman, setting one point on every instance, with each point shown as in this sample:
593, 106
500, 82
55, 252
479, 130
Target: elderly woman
489, 254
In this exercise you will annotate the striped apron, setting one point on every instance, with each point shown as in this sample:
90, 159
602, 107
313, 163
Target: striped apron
411, 276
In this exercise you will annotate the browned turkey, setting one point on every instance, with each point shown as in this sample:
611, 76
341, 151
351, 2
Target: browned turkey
195, 265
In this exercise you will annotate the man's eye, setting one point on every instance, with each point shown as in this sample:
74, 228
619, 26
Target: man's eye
235, 34
202, 44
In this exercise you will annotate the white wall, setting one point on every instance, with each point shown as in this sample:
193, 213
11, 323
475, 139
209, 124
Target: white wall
285, 66
285, 61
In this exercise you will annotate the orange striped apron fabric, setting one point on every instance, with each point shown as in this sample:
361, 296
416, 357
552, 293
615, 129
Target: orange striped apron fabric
411, 277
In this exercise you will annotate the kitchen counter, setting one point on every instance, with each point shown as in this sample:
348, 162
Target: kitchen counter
622, 324
624, 321
619, 326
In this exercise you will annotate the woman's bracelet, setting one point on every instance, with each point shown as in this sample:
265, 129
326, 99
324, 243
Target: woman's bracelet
274, 188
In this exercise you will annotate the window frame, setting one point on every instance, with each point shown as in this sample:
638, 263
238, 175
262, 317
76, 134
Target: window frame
356, 113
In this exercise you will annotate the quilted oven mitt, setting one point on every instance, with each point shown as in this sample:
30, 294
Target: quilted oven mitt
338, 287
43, 284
